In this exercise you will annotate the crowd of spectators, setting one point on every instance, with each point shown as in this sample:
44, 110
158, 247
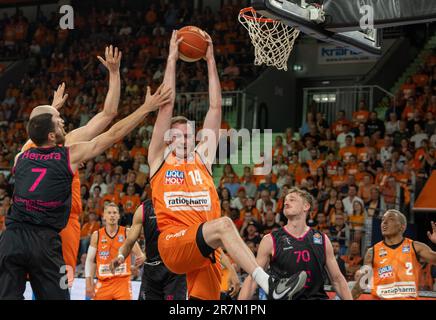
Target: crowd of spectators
355, 168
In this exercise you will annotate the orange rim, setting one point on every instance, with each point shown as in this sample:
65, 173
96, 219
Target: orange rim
243, 13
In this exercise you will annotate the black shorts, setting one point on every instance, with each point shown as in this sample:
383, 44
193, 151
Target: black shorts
34, 254
158, 283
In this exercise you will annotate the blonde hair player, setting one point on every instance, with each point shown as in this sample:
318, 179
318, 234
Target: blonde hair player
297, 247
103, 248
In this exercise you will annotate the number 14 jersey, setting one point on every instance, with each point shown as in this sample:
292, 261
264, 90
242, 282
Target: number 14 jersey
183, 193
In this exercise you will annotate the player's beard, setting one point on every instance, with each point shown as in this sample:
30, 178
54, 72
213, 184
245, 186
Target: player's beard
60, 139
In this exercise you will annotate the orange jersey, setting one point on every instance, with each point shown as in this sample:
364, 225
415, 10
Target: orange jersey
76, 199
314, 165
107, 250
395, 271
184, 193
346, 152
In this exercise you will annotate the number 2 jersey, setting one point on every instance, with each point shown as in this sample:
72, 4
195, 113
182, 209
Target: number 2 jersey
42, 191
184, 193
396, 271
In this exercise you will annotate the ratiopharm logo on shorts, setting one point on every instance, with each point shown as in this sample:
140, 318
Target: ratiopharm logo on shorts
174, 177
188, 201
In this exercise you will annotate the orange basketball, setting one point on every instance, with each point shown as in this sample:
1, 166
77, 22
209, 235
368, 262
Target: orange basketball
194, 44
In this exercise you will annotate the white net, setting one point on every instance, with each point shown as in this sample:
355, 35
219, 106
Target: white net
273, 41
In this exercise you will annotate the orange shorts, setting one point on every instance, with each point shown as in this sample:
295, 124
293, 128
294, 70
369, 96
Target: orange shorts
113, 289
70, 236
180, 253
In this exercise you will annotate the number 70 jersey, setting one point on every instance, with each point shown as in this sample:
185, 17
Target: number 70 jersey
42, 191
183, 193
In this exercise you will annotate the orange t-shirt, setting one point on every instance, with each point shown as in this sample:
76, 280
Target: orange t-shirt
346, 152
88, 228
314, 165
361, 116
138, 150
254, 213
130, 203
363, 154
396, 271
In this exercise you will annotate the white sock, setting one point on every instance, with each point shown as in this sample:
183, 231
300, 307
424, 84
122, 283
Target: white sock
261, 277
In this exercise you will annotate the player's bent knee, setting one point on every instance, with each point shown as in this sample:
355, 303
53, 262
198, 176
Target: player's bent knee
225, 225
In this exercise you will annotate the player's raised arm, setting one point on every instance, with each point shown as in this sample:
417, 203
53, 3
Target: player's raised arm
212, 122
263, 257
99, 122
163, 122
84, 151
59, 98
132, 237
336, 277
423, 250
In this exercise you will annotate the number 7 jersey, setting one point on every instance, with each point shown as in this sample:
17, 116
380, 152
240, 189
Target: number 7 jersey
42, 192
183, 193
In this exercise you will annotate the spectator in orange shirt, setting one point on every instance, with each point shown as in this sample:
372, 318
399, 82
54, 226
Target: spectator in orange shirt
278, 148
130, 203
337, 126
420, 78
138, 149
351, 166
362, 114
87, 230
250, 212
409, 110
315, 162
363, 153
348, 150
340, 179
111, 196
103, 166
353, 261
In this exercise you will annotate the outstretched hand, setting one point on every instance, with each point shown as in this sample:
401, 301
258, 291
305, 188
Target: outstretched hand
432, 235
174, 46
161, 97
112, 59
209, 53
58, 97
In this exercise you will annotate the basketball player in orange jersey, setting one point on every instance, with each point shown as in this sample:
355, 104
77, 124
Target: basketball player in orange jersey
395, 261
103, 248
70, 235
159, 283
41, 207
186, 202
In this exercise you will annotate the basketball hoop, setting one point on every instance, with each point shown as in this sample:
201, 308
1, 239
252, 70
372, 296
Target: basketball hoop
273, 40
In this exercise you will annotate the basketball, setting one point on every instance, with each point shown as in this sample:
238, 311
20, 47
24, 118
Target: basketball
194, 44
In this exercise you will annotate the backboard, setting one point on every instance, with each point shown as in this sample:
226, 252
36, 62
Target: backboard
355, 23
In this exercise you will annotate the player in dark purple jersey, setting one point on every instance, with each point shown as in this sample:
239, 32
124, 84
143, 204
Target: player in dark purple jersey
295, 248
42, 201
